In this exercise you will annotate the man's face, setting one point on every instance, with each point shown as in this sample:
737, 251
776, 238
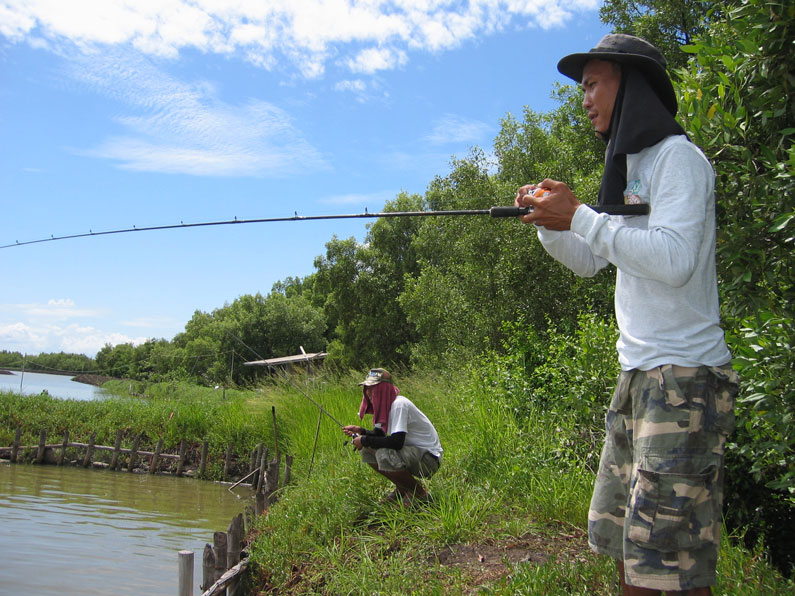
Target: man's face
600, 82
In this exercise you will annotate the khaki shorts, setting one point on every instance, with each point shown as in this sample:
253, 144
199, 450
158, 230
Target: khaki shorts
420, 462
658, 496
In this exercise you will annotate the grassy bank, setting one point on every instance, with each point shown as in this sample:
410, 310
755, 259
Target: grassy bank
508, 512
509, 501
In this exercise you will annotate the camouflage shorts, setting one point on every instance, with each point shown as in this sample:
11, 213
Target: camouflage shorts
419, 462
658, 497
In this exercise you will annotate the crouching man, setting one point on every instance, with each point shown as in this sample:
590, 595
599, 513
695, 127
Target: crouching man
403, 446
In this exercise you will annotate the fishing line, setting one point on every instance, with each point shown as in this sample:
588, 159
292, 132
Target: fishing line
321, 409
500, 211
286, 377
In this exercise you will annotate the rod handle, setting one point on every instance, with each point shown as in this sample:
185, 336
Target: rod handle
511, 211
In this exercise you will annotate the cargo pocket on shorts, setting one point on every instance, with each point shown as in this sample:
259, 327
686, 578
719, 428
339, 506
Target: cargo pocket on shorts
670, 505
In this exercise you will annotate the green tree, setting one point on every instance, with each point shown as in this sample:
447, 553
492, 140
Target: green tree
360, 286
668, 24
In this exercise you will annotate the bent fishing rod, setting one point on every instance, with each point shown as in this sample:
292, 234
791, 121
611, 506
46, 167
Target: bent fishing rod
496, 212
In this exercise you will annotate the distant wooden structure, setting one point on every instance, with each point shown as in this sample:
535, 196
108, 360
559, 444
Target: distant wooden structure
286, 362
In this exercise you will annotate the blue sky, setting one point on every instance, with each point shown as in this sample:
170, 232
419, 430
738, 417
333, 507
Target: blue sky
117, 114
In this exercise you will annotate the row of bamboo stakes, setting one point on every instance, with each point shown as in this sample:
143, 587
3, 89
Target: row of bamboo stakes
222, 565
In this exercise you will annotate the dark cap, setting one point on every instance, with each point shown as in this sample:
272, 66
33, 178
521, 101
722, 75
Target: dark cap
626, 49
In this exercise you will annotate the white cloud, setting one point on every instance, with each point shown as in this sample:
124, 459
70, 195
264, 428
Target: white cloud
307, 33
457, 129
54, 309
53, 327
73, 338
185, 128
371, 60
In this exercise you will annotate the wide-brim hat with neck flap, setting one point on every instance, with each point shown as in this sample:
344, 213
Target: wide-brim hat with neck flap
376, 376
626, 49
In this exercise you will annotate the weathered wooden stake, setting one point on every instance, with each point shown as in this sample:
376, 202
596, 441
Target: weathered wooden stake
219, 549
234, 546
15, 447
89, 450
156, 457
186, 573
203, 463
275, 434
64, 445
288, 469
42, 443
208, 567
183, 450
134, 453
272, 481
255, 483
263, 469
114, 462
227, 461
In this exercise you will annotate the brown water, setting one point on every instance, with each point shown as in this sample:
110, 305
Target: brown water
67, 531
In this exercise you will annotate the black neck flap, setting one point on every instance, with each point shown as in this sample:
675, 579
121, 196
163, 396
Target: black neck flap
639, 120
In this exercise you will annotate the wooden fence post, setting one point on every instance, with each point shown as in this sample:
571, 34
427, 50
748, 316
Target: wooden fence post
288, 469
155, 457
134, 453
203, 464
15, 447
186, 573
272, 481
64, 445
114, 462
183, 449
219, 549
89, 450
227, 461
252, 462
42, 443
208, 567
263, 470
234, 546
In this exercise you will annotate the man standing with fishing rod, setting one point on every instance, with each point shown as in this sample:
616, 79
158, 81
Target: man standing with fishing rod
657, 501
404, 446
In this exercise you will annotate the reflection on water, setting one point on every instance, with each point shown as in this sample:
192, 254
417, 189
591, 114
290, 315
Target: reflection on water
80, 531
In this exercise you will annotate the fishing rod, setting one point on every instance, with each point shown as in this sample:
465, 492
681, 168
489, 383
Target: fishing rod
499, 211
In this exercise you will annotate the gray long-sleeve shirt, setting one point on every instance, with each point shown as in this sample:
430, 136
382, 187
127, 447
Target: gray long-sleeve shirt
666, 287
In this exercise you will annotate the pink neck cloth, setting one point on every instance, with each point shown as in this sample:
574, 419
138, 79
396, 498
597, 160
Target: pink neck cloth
383, 395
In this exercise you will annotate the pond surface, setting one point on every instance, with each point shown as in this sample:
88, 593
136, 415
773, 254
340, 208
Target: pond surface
73, 531
33, 383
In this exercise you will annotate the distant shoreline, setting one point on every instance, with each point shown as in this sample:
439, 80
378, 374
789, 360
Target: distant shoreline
88, 379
